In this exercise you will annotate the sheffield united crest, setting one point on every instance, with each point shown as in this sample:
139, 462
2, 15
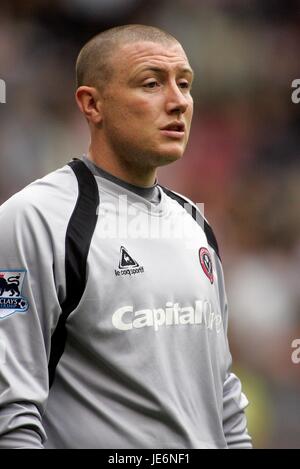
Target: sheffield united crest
206, 263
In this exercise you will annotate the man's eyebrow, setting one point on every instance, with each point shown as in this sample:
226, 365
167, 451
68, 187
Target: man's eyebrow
161, 70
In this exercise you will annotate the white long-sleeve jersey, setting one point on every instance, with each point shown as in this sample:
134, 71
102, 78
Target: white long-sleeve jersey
118, 307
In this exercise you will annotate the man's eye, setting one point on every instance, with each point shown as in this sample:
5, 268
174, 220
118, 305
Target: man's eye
151, 84
184, 85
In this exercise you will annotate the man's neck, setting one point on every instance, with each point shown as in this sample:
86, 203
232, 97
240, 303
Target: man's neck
140, 177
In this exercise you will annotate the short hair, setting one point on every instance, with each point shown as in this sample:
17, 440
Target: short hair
93, 65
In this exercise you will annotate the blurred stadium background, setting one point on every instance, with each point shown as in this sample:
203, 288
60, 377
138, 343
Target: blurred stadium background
242, 160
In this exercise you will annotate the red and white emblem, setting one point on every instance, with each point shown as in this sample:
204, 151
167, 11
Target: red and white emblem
206, 263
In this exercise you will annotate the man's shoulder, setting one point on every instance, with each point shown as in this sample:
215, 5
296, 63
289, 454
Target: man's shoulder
185, 202
52, 193
57, 185
196, 210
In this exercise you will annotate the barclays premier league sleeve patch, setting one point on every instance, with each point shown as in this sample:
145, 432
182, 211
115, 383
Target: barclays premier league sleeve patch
11, 299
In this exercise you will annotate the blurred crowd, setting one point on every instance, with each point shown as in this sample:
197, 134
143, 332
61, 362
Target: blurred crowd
242, 161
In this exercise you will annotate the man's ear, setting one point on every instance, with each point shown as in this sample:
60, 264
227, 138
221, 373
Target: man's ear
89, 102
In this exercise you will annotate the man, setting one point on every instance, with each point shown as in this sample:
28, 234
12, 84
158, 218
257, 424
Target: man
121, 309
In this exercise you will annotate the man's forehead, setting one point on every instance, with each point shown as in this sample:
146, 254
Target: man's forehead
134, 55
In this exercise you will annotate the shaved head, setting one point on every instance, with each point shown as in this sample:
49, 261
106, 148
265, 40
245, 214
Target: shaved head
94, 63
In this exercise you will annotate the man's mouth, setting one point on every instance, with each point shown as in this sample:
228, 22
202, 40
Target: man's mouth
174, 130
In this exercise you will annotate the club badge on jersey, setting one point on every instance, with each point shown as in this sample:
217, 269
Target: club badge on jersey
11, 299
206, 263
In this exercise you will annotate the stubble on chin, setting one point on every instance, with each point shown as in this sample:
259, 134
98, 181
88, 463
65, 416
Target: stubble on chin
143, 158
146, 160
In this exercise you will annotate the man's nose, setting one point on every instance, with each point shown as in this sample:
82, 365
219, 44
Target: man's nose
176, 100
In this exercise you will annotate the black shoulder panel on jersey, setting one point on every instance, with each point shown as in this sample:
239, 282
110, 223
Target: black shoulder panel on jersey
197, 216
78, 240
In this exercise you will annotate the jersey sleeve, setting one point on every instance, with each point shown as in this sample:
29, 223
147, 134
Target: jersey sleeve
234, 401
29, 311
